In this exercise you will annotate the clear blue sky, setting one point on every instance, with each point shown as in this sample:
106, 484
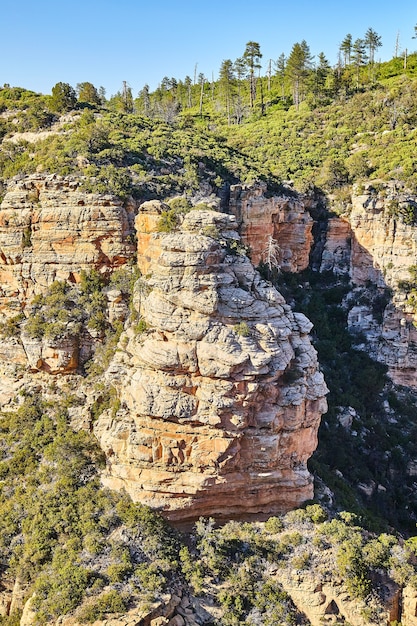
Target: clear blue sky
141, 41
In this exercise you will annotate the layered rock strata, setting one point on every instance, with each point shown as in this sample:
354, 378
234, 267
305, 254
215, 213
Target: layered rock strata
51, 230
221, 396
280, 218
376, 246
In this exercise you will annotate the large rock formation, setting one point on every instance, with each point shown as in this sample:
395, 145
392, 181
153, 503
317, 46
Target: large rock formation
376, 245
51, 230
221, 395
280, 218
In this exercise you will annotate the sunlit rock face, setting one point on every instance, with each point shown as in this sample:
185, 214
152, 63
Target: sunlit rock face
219, 387
373, 246
284, 219
376, 245
51, 230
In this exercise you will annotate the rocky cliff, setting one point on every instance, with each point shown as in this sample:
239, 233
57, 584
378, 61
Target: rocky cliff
377, 245
220, 393
283, 219
51, 230
374, 244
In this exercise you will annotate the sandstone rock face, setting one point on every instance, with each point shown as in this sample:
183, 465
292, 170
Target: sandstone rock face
51, 230
337, 255
391, 341
221, 396
60, 356
384, 245
374, 245
409, 615
283, 218
382, 249
326, 602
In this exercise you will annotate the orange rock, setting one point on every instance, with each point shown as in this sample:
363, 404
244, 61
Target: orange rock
207, 425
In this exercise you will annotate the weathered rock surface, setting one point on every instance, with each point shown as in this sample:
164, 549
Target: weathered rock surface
176, 609
336, 256
409, 599
328, 602
51, 230
376, 247
282, 218
384, 244
221, 396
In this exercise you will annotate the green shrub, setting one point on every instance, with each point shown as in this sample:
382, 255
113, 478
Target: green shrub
141, 326
301, 561
179, 205
316, 513
168, 221
210, 230
118, 572
274, 525
150, 578
11, 327
242, 329
96, 609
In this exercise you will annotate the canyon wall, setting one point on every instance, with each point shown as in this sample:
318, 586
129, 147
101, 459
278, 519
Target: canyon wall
219, 392
280, 218
373, 245
383, 247
51, 230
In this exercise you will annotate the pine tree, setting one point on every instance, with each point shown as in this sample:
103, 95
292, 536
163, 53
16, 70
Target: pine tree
322, 72
226, 78
280, 67
144, 101
252, 57
188, 82
63, 98
298, 65
359, 57
346, 49
372, 41
88, 93
127, 98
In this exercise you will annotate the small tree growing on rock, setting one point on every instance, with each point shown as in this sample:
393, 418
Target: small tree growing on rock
271, 254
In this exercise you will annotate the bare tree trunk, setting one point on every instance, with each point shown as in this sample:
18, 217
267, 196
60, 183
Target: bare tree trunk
201, 98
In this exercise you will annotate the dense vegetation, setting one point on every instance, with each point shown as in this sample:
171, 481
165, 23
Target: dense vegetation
353, 123
377, 445
79, 547
64, 537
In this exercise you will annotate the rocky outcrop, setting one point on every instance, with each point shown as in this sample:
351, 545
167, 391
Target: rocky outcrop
176, 609
328, 602
220, 393
384, 243
51, 230
336, 256
409, 599
376, 245
391, 341
282, 218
